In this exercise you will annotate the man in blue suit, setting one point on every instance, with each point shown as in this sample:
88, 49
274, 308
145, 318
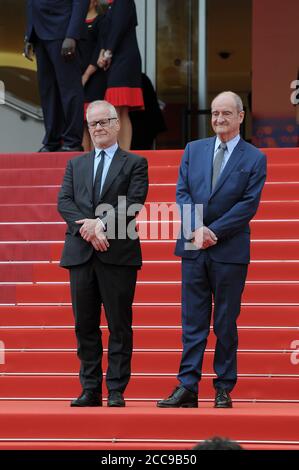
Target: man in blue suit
223, 175
53, 29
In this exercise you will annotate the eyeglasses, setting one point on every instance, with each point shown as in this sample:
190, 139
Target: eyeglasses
102, 123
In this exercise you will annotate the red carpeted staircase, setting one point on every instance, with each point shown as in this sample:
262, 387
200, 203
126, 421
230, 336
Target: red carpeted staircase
38, 363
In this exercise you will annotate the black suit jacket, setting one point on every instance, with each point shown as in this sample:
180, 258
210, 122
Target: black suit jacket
127, 178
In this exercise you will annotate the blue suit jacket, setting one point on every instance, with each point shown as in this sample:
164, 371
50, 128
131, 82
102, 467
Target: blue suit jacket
228, 209
56, 19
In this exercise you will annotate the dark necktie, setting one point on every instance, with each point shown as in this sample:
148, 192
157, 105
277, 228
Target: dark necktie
218, 160
98, 179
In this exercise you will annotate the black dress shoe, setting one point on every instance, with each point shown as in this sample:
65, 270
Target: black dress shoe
67, 148
223, 399
88, 398
116, 399
49, 148
180, 398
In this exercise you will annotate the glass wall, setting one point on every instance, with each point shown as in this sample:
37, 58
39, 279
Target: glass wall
177, 68
228, 39
17, 73
228, 35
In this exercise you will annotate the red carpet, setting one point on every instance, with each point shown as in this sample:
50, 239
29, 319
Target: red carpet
40, 373
104, 428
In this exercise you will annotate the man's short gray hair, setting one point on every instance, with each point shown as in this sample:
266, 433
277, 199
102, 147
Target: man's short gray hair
237, 99
104, 104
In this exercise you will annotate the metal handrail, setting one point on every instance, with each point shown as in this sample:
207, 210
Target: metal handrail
23, 107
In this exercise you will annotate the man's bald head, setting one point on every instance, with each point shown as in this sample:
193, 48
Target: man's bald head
227, 115
230, 94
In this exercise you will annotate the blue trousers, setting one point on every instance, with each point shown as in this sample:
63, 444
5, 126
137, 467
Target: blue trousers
203, 280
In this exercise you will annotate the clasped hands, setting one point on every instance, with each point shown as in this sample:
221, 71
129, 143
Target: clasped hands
92, 231
203, 238
104, 60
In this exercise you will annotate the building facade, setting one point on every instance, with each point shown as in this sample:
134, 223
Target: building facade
191, 50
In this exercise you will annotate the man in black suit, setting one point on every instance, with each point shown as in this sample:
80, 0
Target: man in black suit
103, 253
53, 29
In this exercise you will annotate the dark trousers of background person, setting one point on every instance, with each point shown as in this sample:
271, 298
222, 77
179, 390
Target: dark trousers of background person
93, 284
61, 94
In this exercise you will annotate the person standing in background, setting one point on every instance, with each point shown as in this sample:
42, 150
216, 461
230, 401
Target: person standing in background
94, 77
120, 58
53, 31
147, 123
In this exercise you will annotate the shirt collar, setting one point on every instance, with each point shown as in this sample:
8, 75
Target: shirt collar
231, 144
110, 151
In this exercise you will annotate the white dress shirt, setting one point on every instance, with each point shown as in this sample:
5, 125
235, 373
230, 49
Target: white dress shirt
110, 151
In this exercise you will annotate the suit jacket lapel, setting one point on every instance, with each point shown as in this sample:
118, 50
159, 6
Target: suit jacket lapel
209, 152
89, 172
116, 165
232, 161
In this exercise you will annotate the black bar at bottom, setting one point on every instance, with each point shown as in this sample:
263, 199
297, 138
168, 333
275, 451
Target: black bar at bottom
146, 459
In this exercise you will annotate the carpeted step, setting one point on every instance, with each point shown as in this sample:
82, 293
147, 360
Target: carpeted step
146, 315
281, 154
158, 157
29, 194
16, 251
50, 176
31, 176
20, 272
280, 191
32, 231
48, 194
157, 174
119, 445
157, 192
29, 213
152, 250
146, 338
105, 445
55, 231
141, 423
278, 210
282, 171
273, 229
147, 388
148, 362
35, 160
56, 159
255, 291
162, 211
151, 271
